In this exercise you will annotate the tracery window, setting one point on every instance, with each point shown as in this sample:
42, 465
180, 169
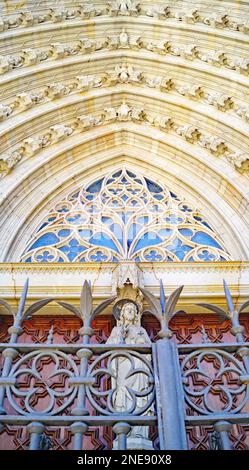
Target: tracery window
124, 216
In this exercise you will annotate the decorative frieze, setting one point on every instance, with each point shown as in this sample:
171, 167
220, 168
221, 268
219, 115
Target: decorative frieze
123, 40
123, 113
226, 19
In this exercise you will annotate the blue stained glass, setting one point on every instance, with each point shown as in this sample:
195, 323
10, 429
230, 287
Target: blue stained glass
42, 226
165, 232
118, 221
102, 239
143, 220
153, 256
206, 256
173, 219
98, 257
106, 220
72, 249
133, 231
28, 260
186, 232
95, 187
153, 187
117, 174
205, 239
85, 233
148, 239
45, 240
64, 233
76, 219
117, 231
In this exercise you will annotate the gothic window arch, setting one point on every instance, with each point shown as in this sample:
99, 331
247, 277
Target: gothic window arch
124, 216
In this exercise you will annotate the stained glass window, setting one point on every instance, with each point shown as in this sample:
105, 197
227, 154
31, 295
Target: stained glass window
124, 216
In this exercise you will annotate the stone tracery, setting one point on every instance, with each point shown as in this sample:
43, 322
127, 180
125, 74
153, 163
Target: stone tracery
124, 216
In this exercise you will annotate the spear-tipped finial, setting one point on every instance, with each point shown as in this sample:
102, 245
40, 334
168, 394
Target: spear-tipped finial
230, 303
23, 299
162, 296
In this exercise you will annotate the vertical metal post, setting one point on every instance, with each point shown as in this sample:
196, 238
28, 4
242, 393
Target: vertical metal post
122, 429
9, 354
84, 354
35, 429
171, 395
78, 429
223, 427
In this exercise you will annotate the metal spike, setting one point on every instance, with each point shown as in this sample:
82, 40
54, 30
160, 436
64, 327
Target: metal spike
162, 296
50, 338
228, 297
204, 335
23, 299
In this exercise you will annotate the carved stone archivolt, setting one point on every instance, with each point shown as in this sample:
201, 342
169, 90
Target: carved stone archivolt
225, 19
217, 146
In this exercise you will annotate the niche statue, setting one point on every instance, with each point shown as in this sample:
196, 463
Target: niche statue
129, 331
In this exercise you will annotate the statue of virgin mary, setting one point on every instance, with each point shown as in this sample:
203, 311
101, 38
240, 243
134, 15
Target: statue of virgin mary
129, 331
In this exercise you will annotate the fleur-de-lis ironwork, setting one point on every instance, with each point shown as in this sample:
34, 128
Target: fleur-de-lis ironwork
86, 312
21, 313
163, 309
231, 313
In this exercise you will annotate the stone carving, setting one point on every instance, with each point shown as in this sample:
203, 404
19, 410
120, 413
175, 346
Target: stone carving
27, 100
124, 113
190, 133
9, 161
213, 57
220, 101
158, 11
60, 132
124, 41
160, 47
124, 73
191, 91
216, 145
85, 82
59, 51
163, 122
88, 10
238, 64
243, 112
123, 8
127, 279
188, 16
56, 51
86, 122
237, 159
57, 90
109, 114
220, 20
130, 331
5, 111
32, 145
216, 20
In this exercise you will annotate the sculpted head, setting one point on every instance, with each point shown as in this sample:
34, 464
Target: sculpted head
129, 314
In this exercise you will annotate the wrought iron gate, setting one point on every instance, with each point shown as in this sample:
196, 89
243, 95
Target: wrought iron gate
72, 384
